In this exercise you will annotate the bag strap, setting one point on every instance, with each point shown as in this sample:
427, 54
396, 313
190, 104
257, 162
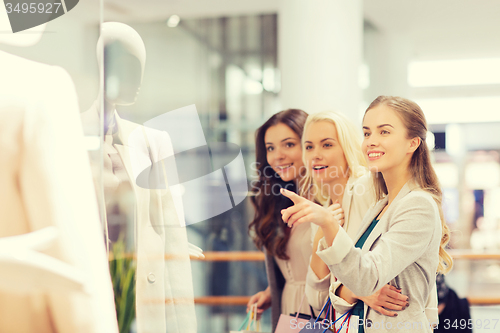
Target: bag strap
253, 319
323, 309
347, 316
347, 313
348, 323
256, 321
300, 306
348, 319
244, 321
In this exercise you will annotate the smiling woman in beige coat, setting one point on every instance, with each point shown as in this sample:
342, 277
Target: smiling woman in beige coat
403, 237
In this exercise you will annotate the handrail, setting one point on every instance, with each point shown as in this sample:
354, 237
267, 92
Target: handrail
209, 256
222, 300
259, 256
233, 256
212, 256
483, 300
243, 300
474, 255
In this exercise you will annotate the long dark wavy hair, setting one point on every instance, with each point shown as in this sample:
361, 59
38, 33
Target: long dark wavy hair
267, 227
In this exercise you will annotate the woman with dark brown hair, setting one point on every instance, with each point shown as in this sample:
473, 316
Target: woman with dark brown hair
279, 165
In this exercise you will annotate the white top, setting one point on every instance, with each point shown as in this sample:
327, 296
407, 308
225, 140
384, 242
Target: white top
294, 270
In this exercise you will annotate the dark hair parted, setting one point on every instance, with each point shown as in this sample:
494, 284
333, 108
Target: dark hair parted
267, 227
420, 166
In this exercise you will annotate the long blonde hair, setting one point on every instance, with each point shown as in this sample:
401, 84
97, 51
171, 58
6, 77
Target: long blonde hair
420, 165
350, 142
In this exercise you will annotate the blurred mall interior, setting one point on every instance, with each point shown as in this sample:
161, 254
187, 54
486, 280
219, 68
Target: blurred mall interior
238, 62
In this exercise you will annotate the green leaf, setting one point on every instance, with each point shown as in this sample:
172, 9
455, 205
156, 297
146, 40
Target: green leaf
122, 270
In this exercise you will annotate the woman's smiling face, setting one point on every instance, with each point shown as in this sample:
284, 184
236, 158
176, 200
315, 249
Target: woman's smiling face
284, 153
385, 144
324, 155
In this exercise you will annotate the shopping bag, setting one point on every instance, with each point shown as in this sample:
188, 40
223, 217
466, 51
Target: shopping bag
327, 325
318, 324
349, 324
251, 324
289, 324
292, 323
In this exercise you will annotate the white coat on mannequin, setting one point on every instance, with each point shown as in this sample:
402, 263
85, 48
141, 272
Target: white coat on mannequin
164, 289
46, 196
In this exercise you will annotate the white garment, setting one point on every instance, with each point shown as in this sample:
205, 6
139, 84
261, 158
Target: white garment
45, 181
164, 287
119, 195
294, 270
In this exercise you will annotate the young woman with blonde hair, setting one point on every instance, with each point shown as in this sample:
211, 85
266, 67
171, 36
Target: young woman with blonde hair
338, 178
403, 237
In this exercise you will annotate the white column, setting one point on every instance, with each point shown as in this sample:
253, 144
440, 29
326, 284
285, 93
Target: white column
320, 51
387, 56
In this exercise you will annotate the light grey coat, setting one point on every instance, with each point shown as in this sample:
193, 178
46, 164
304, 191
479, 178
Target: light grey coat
403, 250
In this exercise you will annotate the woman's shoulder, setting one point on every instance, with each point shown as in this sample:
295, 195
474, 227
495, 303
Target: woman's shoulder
419, 194
418, 198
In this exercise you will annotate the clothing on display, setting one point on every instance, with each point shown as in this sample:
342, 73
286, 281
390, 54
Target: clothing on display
164, 288
46, 182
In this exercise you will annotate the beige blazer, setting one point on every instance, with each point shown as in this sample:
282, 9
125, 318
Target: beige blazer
45, 180
164, 287
359, 196
403, 250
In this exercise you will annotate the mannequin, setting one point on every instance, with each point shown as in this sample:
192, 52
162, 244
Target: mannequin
49, 224
25, 270
164, 294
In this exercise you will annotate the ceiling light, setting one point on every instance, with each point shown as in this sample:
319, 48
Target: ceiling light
173, 21
454, 72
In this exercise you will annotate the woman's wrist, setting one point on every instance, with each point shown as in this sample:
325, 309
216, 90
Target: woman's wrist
346, 294
330, 230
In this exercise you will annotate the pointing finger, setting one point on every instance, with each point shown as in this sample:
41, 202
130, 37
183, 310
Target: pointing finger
286, 213
292, 196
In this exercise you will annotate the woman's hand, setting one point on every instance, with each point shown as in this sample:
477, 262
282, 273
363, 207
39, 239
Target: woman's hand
337, 212
304, 211
263, 300
387, 298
